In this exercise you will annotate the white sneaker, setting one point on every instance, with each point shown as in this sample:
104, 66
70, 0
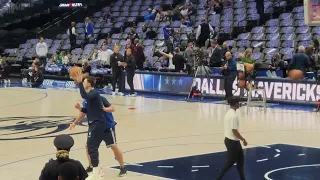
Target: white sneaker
113, 93
95, 175
120, 94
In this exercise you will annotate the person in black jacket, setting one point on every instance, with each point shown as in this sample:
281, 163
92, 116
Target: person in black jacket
130, 65
37, 76
215, 54
178, 60
63, 143
116, 62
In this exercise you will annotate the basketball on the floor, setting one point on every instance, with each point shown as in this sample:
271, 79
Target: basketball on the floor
295, 74
74, 71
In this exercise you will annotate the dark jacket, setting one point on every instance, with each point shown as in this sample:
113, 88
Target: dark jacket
178, 61
231, 67
50, 170
114, 58
300, 61
132, 47
216, 57
139, 54
131, 64
37, 77
205, 31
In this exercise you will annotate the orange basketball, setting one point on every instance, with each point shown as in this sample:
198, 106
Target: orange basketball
295, 74
74, 71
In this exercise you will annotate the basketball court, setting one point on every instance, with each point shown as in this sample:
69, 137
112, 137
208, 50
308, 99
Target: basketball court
160, 139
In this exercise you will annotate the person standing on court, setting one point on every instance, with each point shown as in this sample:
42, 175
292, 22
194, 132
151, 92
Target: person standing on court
72, 35
63, 143
116, 61
130, 66
96, 121
203, 33
42, 50
229, 71
232, 140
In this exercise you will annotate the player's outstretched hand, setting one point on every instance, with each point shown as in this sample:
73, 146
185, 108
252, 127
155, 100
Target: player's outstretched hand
72, 126
77, 106
78, 77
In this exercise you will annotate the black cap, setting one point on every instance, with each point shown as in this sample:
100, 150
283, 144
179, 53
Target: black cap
63, 142
233, 101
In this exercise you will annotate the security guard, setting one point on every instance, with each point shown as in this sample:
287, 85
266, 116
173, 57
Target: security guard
63, 144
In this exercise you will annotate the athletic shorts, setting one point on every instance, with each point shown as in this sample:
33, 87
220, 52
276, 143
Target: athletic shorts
108, 136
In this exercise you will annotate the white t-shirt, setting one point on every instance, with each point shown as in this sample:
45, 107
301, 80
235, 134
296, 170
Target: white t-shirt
104, 56
231, 122
171, 66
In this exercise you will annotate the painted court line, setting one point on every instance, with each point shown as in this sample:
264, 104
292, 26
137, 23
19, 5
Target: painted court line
262, 160
278, 150
206, 166
266, 176
301, 154
276, 155
133, 164
165, 166
194, 170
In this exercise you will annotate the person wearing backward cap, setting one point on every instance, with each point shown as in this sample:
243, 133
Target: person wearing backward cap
63, 143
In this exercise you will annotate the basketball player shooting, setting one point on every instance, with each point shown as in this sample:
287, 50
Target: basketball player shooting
96, 121
110, 138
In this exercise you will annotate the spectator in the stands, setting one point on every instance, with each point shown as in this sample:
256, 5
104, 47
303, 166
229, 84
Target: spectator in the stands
139, 54
37, 76
150, 16
178, 60
150, 33
72, 35
166, 34
129, 45
260, 10
276, 63
224, 49
104, 56
203, 33
316, 45
133, 35
168, 57
42, 50
192, 10
62, 58
215, 54
248, 56
109, 43
188, 54
161, 15
300, 60
108, 17
184, 10
174, 38
89, 30
95, 54
312, 61
86, 68
217, 6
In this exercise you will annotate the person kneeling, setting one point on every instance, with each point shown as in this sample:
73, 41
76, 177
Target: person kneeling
37, 76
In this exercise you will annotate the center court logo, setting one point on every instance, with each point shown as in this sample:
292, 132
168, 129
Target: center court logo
35, 127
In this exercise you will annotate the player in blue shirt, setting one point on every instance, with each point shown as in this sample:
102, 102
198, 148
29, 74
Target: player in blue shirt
110, 137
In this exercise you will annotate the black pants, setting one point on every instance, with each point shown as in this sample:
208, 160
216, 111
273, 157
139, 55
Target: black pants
228, 82
73, 41
130, 76
43, 60
235, 155
117, 80
202, 41
96, 133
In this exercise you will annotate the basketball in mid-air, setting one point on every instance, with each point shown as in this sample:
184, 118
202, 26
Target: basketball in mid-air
295, 74
74, 71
